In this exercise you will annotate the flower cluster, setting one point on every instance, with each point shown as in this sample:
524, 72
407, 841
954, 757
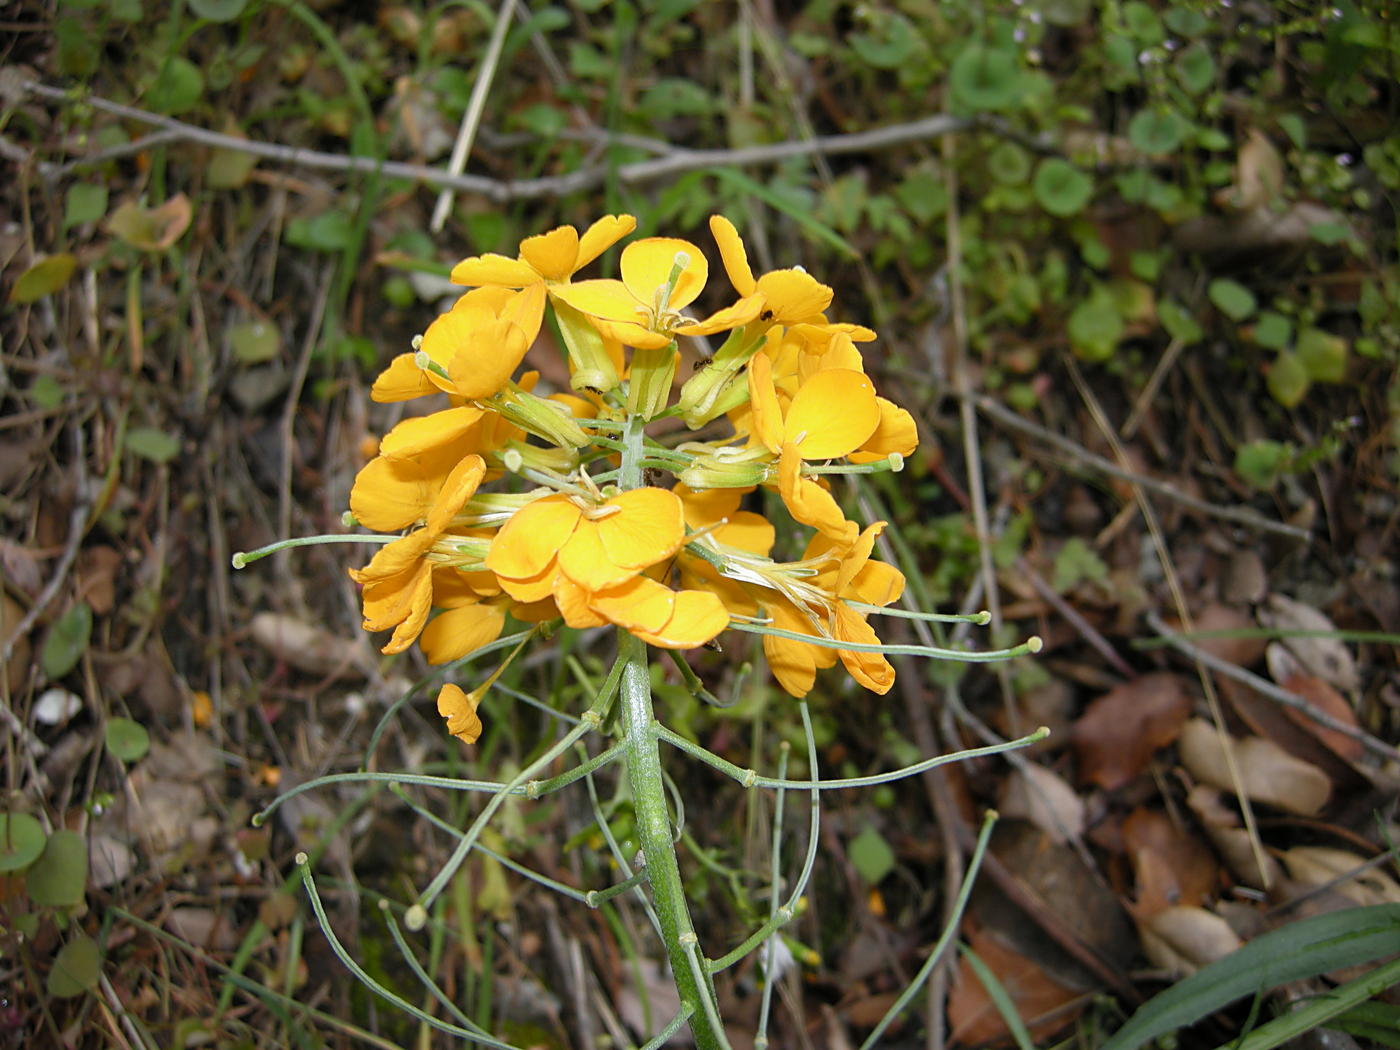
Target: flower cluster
607, 523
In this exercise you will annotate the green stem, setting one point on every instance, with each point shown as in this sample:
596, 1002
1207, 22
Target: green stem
654, 832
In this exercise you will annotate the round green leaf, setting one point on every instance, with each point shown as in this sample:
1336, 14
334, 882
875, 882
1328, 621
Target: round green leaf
985, 78
1009, 164
1156, 130
153, 444
85, 202
57, 879
1061, 188
1143, 24
1261, 463
1272, 330
1231, 298
1288, 380
1323, 355
1185, 21
127, 740
75, 968
178, 87
1095, 327
217, 10
254, 342
871, 855
1195, 68
67, 640
21, 841
43, 278
1064, 13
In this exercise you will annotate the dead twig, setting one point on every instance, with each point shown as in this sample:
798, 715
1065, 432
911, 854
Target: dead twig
1239, 515
1267, 688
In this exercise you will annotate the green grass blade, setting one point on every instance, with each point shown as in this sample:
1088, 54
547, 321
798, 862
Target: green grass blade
1292, 953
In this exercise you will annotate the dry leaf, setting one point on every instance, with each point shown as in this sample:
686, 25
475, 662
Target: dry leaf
97, 570
1258, 173
1171, 866
152, 229
1231, 841
1327, 658
972, 1015
19, 567
1118, 733
202, 927
110, 860
17, 668
1042, 797
1316, 865
1182, 940
1322, 697
1243, 652
1268, 774
306, 647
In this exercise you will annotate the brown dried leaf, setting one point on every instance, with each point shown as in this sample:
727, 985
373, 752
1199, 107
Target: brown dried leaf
203, 928
1171, 866
1042, 797
1231, 841
16, 669
306, 647
1243, 652
1317, 865
1258, 173
19, 567
1118, 733
97, 571
152, 229
1268, 774
1327, 658
1182, 940
973, 1016
1327, 700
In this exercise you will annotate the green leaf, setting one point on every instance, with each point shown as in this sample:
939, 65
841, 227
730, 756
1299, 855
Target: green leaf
985, 78
1142, 23
79, 48
85, 202
21, 841
1288, 380
47, 391
128, 11
1064, 13
58, 877
1009, 164
1273, 331
331, 231
1178, 322
75, 968
1295, 952
1231, 298
228, 169
153, 444
891, 42
1185, 21
1095, 327
178, 86
1157, 131
1262, 463
1195, 68
1075, 563
1323, 355
1329, 232
672, 97
217, 10
127, 739
1297, 131
923, 194
43, 278
871, 855
67, 640
1061, 188
254, 342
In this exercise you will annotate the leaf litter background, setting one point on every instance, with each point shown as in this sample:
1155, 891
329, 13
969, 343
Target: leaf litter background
1169, 351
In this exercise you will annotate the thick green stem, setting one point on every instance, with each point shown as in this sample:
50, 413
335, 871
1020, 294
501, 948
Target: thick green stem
642, 744
658, 847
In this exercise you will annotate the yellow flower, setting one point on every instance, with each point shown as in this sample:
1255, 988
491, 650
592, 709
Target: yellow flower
474, 612
785, 297
398, 581
550, 258
459, 709
661, 276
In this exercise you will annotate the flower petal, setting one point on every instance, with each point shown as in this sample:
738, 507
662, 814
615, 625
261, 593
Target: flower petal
494, 269
808, 502
650, 527
460, 711
646, 265
896, 432
453, 634
601, 236
419, 603
526, 544
741, 313
585, 561
389, 495
552, 254
640, 604
487, 357
420, 434
698, 617
765, 414
871, 670
571, 600
402, 380
793, 296
607, 300
733, 255
459, 487
832, 414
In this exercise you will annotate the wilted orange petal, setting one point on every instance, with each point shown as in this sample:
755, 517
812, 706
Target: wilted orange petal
528, 542
402, 380
453, 634
494, 269
420, 602
833, 414
413, 437
649, 526
871, 670
733, 255
460, 711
